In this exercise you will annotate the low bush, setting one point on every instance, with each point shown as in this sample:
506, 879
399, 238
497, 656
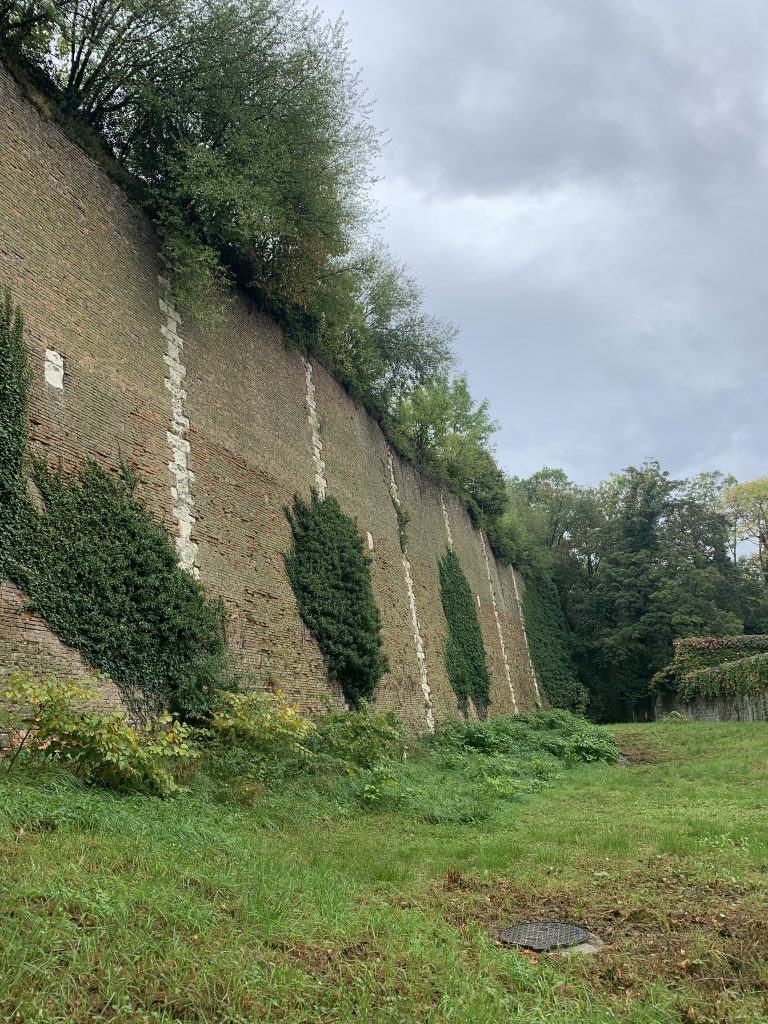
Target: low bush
569, 738
362, 739
47, 720
262, 723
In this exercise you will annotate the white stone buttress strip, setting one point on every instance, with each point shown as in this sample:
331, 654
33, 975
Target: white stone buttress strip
181, 494
317, 442
525, 636
421, 657
447, 521
498, 622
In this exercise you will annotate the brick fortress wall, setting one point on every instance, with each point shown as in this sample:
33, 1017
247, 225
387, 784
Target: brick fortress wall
223, 425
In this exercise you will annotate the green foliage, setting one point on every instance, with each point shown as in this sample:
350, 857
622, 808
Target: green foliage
441, 429
567, 737
549, 645
549, 639
732, 679
464, 652
263, 726
106, 579
360, 738
47, 721
638, 562
96, 567
14, 401
331, 578
713, 667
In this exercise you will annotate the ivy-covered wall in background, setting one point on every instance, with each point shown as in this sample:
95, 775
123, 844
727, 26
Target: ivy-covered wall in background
464, 652
331, 577
95, 566
548, 644
715, 666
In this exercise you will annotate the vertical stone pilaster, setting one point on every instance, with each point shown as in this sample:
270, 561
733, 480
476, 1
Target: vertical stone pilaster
421, 657
447, 521
317, 442
525, 636
498, 621
183, 501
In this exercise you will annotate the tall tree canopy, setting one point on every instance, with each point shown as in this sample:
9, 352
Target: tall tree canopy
638, 562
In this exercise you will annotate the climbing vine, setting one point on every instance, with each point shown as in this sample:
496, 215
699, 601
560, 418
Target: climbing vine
14, 402
464, 653
548, 644
331, 578
715, 666
98, 569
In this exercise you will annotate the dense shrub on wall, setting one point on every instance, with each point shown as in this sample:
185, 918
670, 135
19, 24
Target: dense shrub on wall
548, 643
106, 579
548, 634
715, 666
464, 652
14, 387
331, 578
102, 574
747, 676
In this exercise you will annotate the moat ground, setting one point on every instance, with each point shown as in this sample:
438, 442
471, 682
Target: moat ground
133, 910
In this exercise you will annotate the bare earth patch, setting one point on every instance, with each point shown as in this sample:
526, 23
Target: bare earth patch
657, 926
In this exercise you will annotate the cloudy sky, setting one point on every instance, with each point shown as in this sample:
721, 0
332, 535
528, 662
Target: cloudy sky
582, 187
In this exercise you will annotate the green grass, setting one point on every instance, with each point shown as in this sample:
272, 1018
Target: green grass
300, 908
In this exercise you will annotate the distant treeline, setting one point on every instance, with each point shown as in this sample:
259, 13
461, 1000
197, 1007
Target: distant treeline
639, 562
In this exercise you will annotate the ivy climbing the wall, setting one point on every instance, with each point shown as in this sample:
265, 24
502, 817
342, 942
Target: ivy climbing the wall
14, 401
331, 578
464, 653
548, 644
95, 566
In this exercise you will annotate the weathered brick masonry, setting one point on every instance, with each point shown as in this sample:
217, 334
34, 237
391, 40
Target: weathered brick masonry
223, 432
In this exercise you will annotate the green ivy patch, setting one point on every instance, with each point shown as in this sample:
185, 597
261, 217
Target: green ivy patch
715, 666
730, 679
95, 566
14, 407
106, 579
331, 578
464, 653
548, 644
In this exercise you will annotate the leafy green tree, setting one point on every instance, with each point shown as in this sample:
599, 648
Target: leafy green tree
747, 504
442, 429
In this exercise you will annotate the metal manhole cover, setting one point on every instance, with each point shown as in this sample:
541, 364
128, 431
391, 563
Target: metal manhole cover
543, 935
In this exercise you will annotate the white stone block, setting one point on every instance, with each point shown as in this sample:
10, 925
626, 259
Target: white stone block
54, 369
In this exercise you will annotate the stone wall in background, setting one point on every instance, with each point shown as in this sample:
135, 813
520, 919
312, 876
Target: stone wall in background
223, 426
742, 708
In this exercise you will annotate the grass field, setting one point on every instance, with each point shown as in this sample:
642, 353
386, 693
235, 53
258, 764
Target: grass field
137, 910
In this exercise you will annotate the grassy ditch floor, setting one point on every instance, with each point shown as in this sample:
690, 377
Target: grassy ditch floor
133, 909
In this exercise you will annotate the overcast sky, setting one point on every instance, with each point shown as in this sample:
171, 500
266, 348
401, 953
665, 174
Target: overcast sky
582, 187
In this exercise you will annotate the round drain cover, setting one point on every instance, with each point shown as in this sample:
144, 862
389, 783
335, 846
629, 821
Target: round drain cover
543, 935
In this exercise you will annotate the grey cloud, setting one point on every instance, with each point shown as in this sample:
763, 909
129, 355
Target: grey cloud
583, 188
